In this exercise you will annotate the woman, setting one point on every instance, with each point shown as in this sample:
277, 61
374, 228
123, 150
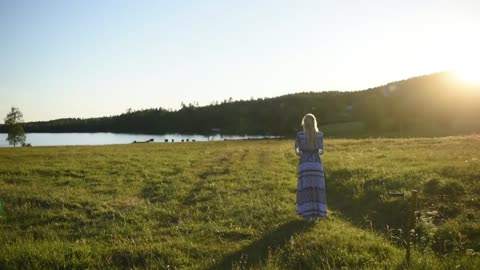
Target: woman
311, 197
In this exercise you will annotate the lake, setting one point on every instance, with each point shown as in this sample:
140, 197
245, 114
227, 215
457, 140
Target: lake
101, 138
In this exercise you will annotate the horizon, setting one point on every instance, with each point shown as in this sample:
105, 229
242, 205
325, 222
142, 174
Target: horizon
67, 60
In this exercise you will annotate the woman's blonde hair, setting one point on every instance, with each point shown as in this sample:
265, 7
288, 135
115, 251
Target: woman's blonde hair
309, 123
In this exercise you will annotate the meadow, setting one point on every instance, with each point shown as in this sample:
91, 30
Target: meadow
230, 205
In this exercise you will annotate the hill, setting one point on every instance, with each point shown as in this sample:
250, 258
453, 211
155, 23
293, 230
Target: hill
432, 105
222, 205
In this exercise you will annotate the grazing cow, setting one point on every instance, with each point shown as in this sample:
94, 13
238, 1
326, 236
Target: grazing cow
166, 140
193, 140
147, 141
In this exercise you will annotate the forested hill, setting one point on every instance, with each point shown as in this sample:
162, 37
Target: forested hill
430, 105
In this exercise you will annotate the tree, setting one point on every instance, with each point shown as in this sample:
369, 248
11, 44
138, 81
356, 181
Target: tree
13, 122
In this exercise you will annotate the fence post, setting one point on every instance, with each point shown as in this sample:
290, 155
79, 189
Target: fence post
411, 225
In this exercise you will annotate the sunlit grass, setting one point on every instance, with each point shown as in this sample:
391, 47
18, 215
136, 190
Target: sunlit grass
218, 205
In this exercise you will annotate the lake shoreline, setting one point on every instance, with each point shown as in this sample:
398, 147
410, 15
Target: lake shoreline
110, 138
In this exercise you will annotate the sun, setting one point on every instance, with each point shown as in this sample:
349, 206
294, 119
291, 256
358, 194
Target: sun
469, 75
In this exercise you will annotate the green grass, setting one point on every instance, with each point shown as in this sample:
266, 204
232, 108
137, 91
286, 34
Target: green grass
221, 205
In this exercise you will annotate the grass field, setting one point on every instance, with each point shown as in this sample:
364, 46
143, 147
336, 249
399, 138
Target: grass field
221, 205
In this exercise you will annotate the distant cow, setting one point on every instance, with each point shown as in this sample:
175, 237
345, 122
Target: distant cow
173, 140
147, 141
182, 140
193, 140
166, 140
187, 140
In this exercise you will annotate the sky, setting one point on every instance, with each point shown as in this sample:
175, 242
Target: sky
95, 58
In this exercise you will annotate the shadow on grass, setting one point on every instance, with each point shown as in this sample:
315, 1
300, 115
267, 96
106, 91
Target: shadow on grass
257, 251
368, 203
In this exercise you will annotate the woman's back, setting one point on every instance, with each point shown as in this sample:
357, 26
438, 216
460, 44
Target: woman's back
305, 151
302, 143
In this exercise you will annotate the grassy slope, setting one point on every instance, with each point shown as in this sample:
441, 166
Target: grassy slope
214, 205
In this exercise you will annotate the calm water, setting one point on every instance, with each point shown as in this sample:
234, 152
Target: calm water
49, 139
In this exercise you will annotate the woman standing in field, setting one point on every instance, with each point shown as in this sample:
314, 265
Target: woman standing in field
311, 197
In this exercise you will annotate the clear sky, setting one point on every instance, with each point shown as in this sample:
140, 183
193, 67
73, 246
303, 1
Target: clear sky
100, 57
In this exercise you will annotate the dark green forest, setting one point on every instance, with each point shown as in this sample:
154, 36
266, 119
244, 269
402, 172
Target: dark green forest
430, 105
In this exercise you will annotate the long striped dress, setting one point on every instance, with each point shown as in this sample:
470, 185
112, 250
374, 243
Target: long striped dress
311, 196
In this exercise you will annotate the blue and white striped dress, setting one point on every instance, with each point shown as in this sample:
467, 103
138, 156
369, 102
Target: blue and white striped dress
311, 196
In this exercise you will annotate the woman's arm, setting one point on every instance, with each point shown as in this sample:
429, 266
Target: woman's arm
298, 152
320, 149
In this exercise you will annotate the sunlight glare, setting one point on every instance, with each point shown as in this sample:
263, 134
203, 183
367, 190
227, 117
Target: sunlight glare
469, 75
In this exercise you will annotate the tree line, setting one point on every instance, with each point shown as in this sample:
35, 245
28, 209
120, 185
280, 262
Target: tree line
436, 102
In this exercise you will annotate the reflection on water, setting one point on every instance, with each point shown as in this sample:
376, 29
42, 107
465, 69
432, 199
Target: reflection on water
99, 138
